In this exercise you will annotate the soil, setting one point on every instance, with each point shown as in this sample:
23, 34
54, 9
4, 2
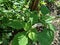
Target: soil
56, 23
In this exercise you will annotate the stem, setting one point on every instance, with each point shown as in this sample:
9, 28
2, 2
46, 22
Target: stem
34, 5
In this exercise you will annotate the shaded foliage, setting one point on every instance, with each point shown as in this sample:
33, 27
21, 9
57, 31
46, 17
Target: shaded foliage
17, 19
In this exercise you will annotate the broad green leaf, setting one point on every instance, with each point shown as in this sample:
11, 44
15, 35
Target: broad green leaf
46, 37
20, 39
35, 17
3, 1
44, 10
5, 41
15, 24
32, 36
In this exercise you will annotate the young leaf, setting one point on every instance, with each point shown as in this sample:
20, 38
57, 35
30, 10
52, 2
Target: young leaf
27, 26
44, 10
20, 39
32, 36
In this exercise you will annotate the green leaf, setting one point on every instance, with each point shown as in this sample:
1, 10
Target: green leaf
5, 20
20, 39
32, 36
46, 37
31, 20
49, 19
51, 27
27, 26
3, 1
43, 2
1, 41
34, 17
44, 10
15, 24
50, 0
